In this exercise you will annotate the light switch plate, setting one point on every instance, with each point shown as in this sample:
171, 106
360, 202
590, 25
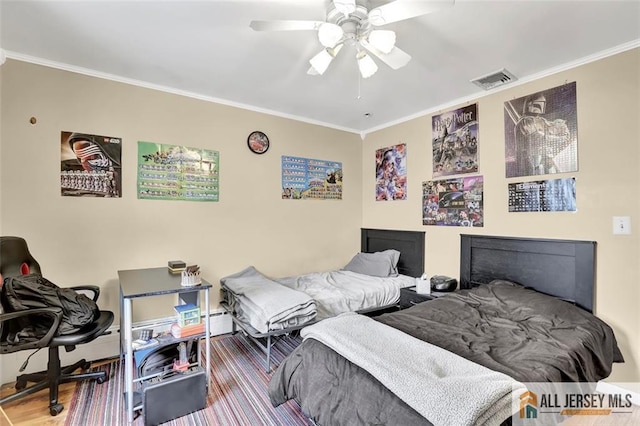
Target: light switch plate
621, 225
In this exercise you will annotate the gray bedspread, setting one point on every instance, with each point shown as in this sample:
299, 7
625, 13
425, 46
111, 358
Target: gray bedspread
475, 395
526, 335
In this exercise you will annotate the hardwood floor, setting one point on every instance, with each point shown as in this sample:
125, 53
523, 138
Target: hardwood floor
4, 420
33, 410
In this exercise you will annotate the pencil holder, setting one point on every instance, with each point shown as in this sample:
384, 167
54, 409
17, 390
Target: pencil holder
189, 279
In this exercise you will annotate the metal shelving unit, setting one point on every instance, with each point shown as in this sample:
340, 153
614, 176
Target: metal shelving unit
142, 283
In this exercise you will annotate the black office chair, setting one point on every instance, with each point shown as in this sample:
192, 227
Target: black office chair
16, 260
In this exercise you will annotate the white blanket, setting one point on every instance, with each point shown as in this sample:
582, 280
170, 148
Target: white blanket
267, 305
336, 292
443, 387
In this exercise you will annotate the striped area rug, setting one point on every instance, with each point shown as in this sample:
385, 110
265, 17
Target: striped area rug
237, 391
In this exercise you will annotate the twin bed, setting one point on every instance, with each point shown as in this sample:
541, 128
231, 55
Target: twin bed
266, 309
522, 314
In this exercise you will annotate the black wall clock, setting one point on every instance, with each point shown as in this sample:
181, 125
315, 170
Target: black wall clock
258, 142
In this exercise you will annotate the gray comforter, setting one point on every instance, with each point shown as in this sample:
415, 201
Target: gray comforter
527, 335
524, 334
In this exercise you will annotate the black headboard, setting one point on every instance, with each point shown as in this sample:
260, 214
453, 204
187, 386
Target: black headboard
561, 268
410, 244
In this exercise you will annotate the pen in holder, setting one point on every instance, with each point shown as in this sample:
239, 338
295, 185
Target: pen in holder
191, 276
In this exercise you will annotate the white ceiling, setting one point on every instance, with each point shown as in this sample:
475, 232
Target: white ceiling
207, 50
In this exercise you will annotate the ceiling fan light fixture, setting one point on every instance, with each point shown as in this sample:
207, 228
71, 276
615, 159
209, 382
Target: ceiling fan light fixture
366, 65
330, 34
376, 17
322, 60
346, 7
383, 40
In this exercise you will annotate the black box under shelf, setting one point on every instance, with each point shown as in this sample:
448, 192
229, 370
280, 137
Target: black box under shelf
171, 397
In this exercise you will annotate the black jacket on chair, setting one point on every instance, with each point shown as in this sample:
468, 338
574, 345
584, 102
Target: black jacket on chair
17, 261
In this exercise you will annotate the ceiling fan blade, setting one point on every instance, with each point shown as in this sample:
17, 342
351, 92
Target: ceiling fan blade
346, 7
396, 59
405, 9
285, 25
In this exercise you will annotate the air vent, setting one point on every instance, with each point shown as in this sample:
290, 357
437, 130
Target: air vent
495, 79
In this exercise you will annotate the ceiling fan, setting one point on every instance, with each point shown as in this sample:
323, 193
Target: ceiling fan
351, 22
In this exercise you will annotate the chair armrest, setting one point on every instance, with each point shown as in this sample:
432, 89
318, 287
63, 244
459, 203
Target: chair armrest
94, 289
54, 313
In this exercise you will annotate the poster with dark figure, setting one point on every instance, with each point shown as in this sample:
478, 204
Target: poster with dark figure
543, 196
455, 141
453, 202
90, 165
541, 133
391, 173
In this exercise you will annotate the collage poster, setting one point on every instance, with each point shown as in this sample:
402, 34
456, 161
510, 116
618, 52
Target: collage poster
90, 165
305, 178
172, 172
453, 202
391, 173
455, 141
543, 196
541, 133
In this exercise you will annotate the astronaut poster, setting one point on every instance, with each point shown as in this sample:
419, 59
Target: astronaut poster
455, 141
391, 173
306, 178
90, 165
543, 196
453, 202
174, 172
541, 133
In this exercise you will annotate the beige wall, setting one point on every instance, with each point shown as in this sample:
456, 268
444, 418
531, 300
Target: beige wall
607, 185
1, 189
87, 240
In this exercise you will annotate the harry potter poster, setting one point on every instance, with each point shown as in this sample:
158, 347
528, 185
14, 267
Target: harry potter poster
455, 141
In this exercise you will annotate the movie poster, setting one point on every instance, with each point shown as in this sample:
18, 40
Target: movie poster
455, 141
453, 202
543, 196
173, 172
541, 133
305, 178
90, 165
391, 173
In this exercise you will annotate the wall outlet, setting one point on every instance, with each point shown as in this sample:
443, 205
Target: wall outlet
621, 225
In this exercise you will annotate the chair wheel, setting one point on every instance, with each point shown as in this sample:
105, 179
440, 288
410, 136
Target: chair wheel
56, 409
86, 365
101, 380
20, 385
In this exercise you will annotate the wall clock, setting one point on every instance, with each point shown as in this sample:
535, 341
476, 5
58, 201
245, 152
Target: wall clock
258, 142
